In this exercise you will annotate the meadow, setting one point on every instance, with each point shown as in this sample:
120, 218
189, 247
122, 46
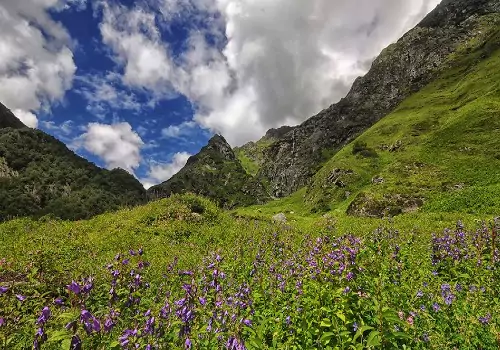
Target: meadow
181, 274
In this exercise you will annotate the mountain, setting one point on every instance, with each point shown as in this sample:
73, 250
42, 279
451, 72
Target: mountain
39, 175
251, 154
439, 151
401, 70
215, 172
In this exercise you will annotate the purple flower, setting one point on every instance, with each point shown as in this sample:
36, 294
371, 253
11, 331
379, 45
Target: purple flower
420, 294
74, 287
44, 316
76, 343
125, 262
2, 321
108, 325
436, 307
131, 252
188, 343
3, 289
140, 251
425, 337
355, 327
20, 297
350, 276
485, 320
247, 323
59, 302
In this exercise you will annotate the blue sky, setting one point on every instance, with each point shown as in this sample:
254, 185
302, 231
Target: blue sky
144, 84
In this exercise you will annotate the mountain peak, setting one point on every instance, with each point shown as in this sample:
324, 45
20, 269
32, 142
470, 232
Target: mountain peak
219, 144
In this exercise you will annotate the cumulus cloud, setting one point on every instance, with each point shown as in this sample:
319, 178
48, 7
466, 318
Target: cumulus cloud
162, 172
117, 144
28, 118
36, 62
257, 64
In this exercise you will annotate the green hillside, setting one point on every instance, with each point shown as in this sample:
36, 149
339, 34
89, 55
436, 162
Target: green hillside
439, 151
40, 176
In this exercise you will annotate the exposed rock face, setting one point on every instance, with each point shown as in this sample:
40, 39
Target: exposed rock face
8, 119
216, 173
401, 69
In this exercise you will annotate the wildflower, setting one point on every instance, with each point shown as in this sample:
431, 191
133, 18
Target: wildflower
203, 301
3, 289
436, 307
2, 321
288, 320
59, 302
108, 325
401, 315
74, 287
347, 290
20, 297
188, 343
485, 320
355, 327
425, 337
420, 294
247, 323
410, 320
350, 276
76, 343
44, 316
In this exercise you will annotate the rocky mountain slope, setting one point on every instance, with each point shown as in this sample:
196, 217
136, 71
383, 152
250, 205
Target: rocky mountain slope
251, 154
39, 175
401, 70
439, 151
214, 172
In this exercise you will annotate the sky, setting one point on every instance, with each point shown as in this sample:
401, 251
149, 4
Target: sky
142, 85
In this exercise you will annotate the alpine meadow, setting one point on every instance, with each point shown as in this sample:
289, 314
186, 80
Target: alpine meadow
374, 224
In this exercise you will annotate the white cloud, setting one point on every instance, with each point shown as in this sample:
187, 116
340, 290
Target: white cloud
28, 118
105, 94
36, 62
65, 128
162, 172
178, 131
117, 144
283, 61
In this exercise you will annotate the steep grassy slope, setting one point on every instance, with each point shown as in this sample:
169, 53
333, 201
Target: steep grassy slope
438, 151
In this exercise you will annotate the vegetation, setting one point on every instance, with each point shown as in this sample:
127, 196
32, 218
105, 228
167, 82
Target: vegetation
437, 152
188, 275
216, 173
40, 176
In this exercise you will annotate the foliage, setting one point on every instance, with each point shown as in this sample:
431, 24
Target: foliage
40, 176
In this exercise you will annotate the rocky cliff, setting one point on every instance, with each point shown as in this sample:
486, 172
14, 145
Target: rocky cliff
401, 70
214, 172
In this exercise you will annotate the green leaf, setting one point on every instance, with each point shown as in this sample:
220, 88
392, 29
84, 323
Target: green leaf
58, 336
326, 323
326, 337
341, 316
373, 339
